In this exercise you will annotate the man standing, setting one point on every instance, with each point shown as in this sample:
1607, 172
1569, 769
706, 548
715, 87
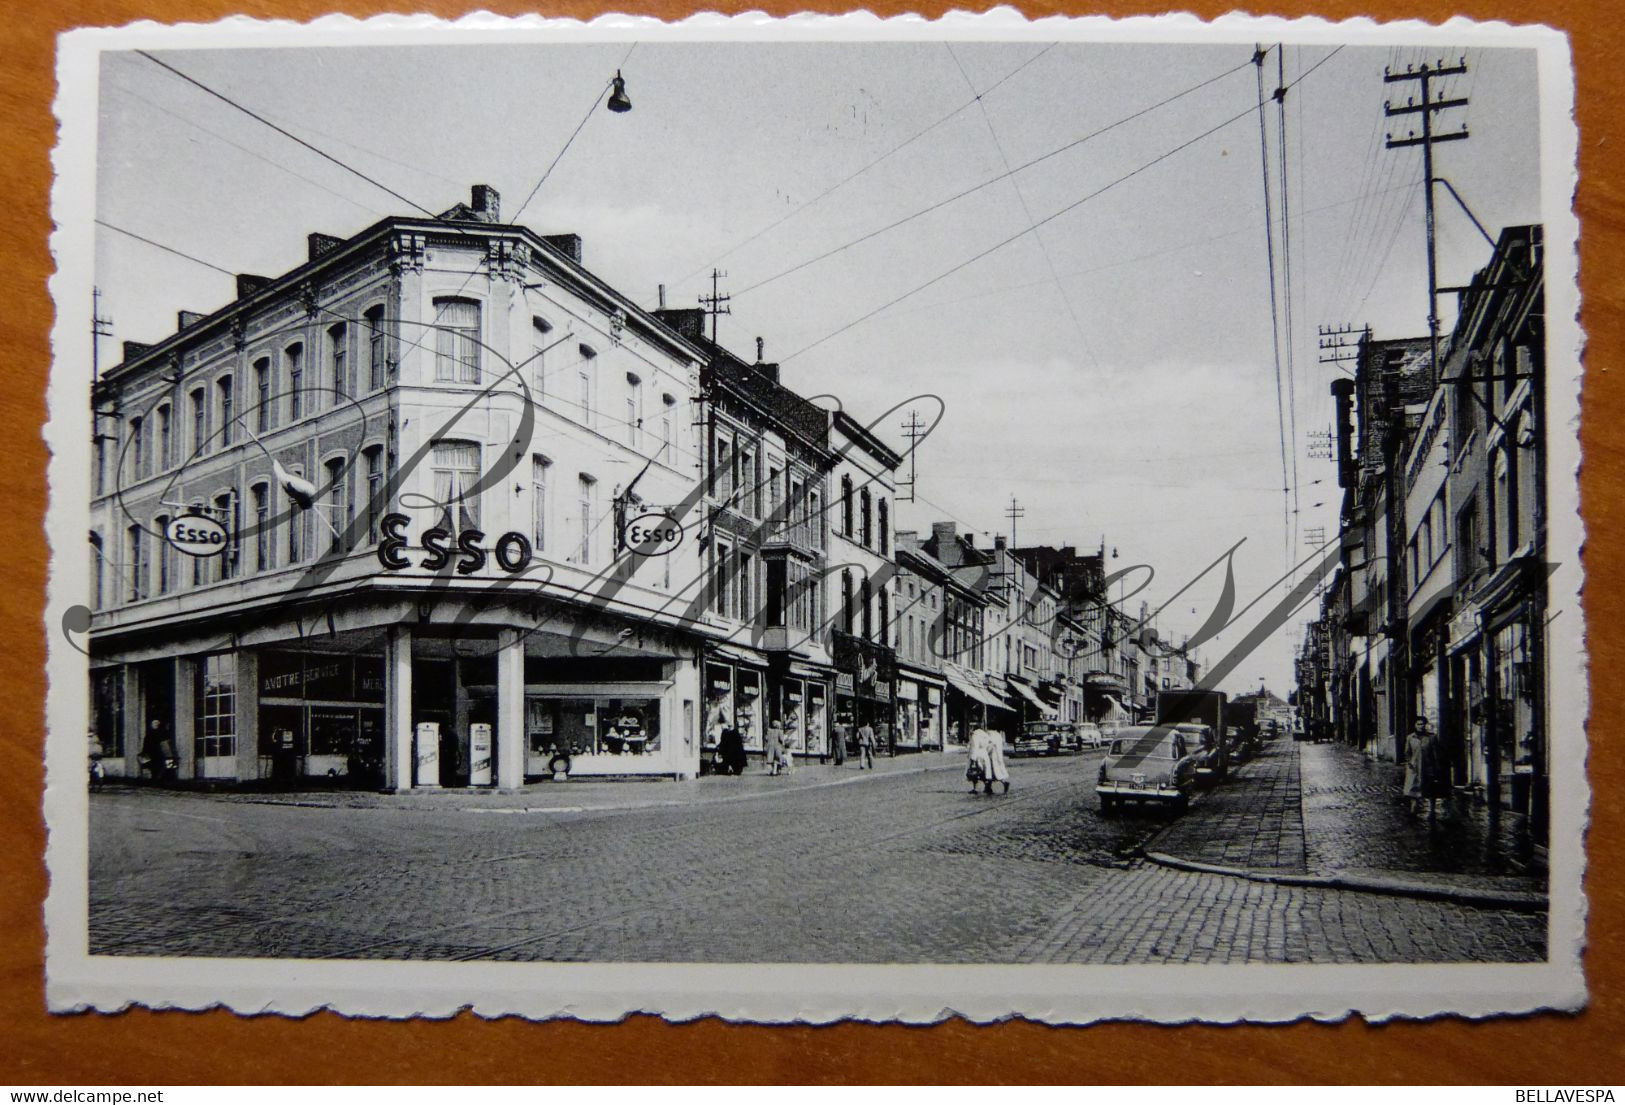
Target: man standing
838, 739
866, 745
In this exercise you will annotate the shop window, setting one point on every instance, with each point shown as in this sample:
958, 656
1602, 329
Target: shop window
107, 695
457, 341
216, 731
595, 726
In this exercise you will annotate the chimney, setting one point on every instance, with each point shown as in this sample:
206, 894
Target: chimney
687, 321
998, 543
759, 345
134, 349
317, 244
487, 204
183, 319
248, 284
567, 244
1343, 392
662, 298
771, 371
944, 536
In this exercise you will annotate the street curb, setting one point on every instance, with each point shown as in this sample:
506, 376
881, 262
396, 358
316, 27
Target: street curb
663, 803
1398, 888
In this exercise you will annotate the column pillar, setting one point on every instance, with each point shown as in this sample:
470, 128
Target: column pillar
398, 754
510, 734
248, 715
134, 730
184, 725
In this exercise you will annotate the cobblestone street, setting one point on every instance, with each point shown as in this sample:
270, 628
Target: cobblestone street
904, 866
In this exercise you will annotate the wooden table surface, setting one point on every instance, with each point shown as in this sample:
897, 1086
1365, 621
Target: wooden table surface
140, 1047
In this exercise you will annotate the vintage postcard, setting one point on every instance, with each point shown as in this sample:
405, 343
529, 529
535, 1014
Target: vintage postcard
817, 518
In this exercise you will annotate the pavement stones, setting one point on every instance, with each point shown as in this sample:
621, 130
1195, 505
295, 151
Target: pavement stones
1324, 814
907, 868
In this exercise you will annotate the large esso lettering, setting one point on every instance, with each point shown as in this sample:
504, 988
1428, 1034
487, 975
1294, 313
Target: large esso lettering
196, 535
652, 534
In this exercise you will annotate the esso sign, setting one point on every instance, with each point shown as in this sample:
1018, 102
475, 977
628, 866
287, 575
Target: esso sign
652, 534
196, 535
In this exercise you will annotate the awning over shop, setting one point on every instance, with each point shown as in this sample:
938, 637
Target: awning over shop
971, 686
1045, 710
735, 656
807, 671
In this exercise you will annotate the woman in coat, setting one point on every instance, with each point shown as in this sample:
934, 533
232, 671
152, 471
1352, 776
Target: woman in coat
1413, 765
980, 761
775, 747
997, 771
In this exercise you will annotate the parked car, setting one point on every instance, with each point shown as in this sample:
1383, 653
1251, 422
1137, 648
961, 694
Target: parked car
1148, 763
1037, 738
1089, 735
1204, 747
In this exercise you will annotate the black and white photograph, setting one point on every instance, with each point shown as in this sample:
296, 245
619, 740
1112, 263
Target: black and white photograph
817, 518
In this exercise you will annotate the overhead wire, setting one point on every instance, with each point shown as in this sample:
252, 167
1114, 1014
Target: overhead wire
1021, 199
850, 177
1132, 173
986, 183
1275, 325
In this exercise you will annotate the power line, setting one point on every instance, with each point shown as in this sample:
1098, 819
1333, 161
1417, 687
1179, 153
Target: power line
1275, 325
990, 181
567, 142
850, 177
256, 116
1015, 185
1286, 277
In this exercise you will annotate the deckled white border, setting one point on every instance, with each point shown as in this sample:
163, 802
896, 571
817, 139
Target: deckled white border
776, 992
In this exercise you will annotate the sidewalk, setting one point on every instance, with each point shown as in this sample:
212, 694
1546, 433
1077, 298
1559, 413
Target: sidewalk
584, 794
1323, 814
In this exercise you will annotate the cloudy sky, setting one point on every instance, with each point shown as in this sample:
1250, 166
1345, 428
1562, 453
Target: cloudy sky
1112, 369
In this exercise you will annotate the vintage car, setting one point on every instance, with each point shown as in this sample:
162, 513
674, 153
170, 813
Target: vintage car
1039, 738
1089, 735
1205, 748
1148, 763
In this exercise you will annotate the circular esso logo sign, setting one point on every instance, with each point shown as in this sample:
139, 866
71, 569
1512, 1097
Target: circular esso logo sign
653, 534
196, 535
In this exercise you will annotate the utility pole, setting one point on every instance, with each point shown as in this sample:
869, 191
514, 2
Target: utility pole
716, 303
1425, 76
914, 430
99, 328
1013, 512
1341, 343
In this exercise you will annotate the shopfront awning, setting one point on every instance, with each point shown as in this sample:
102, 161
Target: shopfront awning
1045, 710
807, 671
971, 686
733, 655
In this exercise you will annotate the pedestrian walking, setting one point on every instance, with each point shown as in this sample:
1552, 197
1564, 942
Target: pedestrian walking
1415, 794
775, 747
1433, 770
731, 751
980, 768
838, 738
866, 746
997, 772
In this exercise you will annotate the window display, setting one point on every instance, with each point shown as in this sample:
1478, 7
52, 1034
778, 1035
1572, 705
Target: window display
581, 726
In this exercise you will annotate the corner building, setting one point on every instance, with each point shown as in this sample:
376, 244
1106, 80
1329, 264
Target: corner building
455, 374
